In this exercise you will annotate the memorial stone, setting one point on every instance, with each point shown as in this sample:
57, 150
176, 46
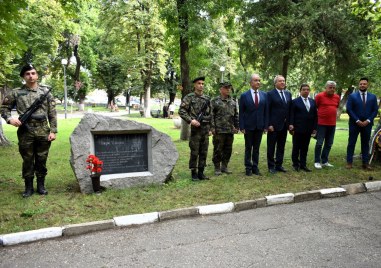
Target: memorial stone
133, 153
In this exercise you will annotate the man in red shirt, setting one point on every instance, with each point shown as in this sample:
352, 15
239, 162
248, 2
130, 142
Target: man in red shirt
327, 103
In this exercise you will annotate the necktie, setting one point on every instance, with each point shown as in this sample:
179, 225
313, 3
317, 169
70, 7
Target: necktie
363, 100
281, 93
307, 103
256, 99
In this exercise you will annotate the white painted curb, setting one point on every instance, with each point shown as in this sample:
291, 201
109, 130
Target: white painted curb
373, 186
137, 219
29, 236
280, 199
332, 191
215, 209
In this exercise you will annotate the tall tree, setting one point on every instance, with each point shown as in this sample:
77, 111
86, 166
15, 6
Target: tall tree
135, 33
293, 33
190, 26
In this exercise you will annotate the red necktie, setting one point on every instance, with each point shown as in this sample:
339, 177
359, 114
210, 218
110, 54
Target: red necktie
256, 99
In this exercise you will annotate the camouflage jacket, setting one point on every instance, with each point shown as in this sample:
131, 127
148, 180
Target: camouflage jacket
191, 106
224, 115
22, 98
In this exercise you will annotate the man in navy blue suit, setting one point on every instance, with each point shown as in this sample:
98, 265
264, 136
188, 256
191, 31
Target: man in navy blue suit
303, 123
253, 123
362, 109
279, 104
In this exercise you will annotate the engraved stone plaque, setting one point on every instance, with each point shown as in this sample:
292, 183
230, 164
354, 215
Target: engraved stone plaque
122, 153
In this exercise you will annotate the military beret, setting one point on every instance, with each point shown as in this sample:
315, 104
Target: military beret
225, 84
26, 68
202, 78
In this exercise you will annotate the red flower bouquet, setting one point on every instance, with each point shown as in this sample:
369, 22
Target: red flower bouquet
94, 164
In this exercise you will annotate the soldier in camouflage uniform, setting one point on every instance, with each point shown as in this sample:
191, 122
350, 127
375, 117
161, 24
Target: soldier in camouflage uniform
224, 124
37, 134
191, 107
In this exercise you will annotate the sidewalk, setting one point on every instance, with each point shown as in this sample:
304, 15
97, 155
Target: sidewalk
330, 232
78, 114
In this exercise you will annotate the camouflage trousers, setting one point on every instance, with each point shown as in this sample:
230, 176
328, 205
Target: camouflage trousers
198, 144
223, 146
34, 149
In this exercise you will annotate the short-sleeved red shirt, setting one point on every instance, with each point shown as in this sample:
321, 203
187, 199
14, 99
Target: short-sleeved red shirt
327, 108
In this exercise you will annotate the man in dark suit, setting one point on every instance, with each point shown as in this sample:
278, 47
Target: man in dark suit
279, 104
362, 109
253, 123
303, 123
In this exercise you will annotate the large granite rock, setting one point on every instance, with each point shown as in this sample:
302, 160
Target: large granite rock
162, 153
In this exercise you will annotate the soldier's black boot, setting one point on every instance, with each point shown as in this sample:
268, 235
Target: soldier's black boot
217, 170
41, 186
194, 175
28, 187
224, 169
201, 175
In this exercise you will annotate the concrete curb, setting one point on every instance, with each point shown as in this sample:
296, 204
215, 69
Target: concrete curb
178, 213
147, 218
137, 219
354, 188
307, 196
333, 192
280, 199
216, 209
30, 236
82, 228
373, 186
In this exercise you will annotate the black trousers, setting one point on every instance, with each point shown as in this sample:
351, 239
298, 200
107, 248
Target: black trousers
253, 140
300, 144
276, 140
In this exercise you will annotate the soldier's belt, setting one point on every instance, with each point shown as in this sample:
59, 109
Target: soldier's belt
37, 123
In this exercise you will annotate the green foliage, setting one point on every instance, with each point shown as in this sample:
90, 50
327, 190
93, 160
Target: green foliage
10, 42
113, 75
40, 30
316, 38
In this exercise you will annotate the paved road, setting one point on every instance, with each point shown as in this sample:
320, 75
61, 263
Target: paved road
338, 232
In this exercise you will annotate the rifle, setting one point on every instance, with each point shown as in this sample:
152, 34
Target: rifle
200, 116
35, 105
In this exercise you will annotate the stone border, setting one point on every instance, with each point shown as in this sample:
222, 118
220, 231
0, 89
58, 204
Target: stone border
153, 217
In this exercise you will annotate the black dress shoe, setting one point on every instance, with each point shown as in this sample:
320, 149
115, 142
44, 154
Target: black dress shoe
296, 168
272, 171
249, 172
256, 172
306, 169
281, 169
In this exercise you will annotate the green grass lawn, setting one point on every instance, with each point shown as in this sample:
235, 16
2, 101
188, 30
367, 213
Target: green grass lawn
65, 204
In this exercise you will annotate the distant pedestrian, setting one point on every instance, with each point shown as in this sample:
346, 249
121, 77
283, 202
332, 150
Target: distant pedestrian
36, 135
303, 123
171, 110
253, 123
362, 109
224, 124
327, 103
195, 110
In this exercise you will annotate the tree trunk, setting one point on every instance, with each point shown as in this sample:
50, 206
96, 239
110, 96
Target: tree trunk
147, 98
285, 60
3, 140
343, 101
183, 21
